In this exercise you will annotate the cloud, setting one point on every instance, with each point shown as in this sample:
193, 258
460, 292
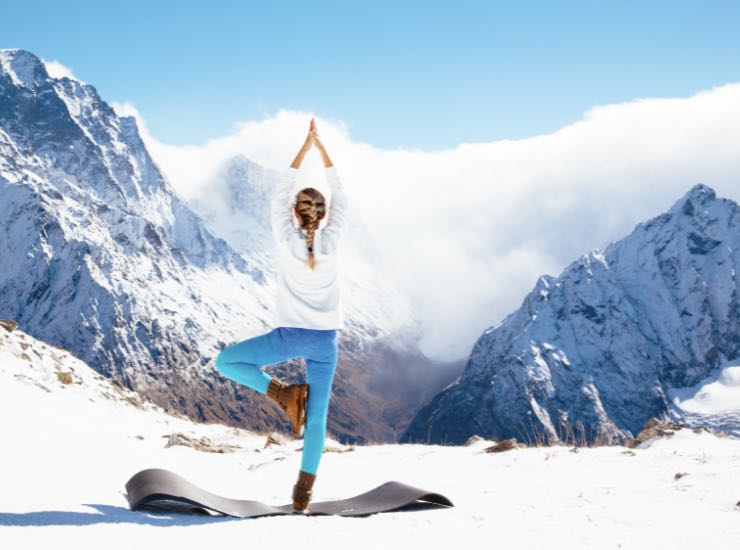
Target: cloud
468, 230
57, 70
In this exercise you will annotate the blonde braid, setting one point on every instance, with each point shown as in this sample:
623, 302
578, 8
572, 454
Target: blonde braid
311, 209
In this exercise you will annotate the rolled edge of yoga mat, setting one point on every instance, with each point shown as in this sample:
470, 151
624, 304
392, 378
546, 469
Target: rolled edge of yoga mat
166, 490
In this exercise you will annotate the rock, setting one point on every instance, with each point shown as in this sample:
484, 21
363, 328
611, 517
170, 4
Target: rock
679, 475
134, 399
272, 439
332, 449
200, 444
31, 381
472, 440
8, 325
653, 428
65, 377
501, 446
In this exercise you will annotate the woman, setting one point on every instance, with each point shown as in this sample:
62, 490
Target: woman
308, 312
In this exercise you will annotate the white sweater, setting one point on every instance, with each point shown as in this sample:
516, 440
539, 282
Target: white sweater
308, 298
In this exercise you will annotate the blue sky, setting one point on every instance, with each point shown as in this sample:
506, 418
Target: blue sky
410, 74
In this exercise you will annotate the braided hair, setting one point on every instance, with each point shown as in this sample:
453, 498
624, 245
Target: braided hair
310, 207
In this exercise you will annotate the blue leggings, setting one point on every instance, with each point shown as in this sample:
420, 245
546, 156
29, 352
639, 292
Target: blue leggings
241, 362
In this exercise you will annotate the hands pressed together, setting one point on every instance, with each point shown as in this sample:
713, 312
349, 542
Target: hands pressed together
312, 139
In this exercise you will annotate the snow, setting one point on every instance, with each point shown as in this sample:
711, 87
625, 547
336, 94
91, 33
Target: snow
715, 394
6, 59
58, 70
711, 403
69, 449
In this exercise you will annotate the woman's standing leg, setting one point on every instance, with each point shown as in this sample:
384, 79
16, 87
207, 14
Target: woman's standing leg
241, 362
319, 374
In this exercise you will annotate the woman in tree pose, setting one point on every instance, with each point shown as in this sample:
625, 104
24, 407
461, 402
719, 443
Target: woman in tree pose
308, 312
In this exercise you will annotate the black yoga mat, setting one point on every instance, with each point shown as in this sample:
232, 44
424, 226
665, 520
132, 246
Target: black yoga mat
165, 490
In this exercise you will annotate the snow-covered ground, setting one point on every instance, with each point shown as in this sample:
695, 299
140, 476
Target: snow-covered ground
714, 402
68, 449
718, 393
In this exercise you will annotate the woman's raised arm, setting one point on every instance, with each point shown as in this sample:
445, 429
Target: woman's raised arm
337, 223
281, 207
304, 148
320, 146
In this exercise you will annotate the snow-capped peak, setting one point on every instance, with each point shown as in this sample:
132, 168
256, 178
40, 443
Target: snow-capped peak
103, 258
699, 193
23, 67
656, 311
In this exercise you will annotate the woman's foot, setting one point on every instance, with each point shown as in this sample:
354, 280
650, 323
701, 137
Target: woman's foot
302, 492
293, 399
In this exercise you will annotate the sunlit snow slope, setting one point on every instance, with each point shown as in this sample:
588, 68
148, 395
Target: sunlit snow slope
69, 448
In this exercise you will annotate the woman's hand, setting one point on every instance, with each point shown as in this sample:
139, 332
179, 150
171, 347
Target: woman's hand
311, 139
313, 132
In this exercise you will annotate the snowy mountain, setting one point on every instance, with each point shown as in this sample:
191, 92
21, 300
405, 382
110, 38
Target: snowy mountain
73, 438
596, 351
237, 208
101, 257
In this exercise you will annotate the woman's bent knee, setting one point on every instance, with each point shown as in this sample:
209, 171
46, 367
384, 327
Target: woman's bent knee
316, 421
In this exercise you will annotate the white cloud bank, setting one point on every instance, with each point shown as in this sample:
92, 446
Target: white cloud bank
57, 70
469, 229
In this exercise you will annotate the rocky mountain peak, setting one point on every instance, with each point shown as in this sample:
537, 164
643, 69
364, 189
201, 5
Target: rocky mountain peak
23, 68
601, 345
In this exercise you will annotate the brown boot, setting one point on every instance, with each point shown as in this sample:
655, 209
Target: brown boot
292, 398
302, 491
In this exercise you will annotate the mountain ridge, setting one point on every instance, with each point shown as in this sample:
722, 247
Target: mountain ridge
103, 258
597, 347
